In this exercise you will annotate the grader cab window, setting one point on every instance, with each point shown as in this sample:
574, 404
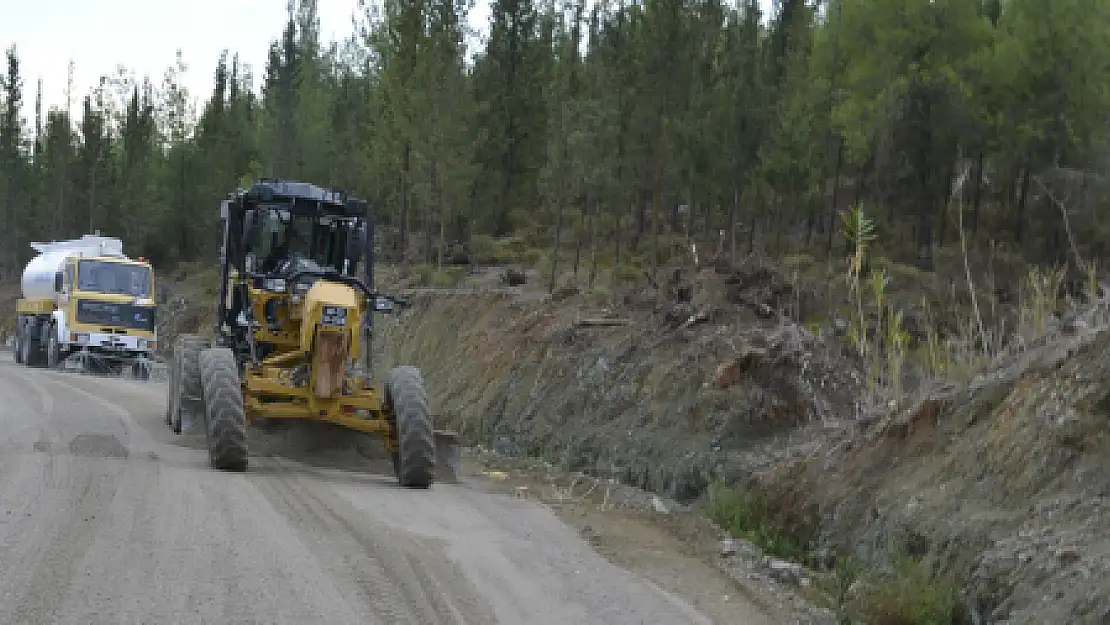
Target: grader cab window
301, 238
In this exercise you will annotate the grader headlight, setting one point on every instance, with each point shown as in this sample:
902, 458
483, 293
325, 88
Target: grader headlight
274, 285
299, 291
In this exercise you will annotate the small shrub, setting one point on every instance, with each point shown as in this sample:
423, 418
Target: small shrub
746, 515
798, 261
532, 256
626, 272
441, 278
1039, 295
912, 596
485, 250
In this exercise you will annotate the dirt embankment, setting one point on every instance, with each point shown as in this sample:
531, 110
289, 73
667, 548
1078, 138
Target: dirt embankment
1002, 485
997, 488
668, 394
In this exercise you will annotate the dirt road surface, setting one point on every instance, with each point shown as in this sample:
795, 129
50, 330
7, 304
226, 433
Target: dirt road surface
107, 517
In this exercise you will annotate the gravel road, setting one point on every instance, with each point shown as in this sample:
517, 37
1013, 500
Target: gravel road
107, 517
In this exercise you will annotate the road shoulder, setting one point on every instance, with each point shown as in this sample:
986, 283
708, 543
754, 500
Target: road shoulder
674, 548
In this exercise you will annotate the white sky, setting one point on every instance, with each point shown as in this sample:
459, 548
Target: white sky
144, 35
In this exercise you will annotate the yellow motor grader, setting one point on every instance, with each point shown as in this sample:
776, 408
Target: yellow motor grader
294, 322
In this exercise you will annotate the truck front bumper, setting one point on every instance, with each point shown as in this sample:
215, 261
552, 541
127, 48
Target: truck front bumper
112, 343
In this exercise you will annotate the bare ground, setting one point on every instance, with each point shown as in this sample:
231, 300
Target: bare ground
675, 547
107, 517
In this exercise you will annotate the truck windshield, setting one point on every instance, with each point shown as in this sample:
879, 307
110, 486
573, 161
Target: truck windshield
118, 278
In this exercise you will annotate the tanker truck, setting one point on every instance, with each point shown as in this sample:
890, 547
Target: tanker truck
84, 300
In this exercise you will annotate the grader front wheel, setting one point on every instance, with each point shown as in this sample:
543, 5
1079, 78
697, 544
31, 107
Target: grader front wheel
223, 409
414, 460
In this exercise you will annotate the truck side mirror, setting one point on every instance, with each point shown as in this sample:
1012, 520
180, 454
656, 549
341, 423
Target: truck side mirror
163, 294
58, 282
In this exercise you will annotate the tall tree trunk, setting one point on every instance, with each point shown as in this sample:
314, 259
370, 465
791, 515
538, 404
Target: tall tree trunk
976, 193
441, 211
593, 241
557, 243
578, 237
833, 202
656, 199
406, 162
1019, 214
733, 216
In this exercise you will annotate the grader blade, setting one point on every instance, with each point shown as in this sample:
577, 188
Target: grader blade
448, 457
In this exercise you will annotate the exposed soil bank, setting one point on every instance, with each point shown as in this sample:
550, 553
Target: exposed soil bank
667, 395
998, 487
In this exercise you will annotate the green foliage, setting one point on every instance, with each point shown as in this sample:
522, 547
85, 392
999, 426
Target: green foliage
859, 232
620, 133
444, 278
906, 593
1039, 293
913, 595
883, 344
746, 515
627, 272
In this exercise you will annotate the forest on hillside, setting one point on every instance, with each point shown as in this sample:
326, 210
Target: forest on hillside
629, 129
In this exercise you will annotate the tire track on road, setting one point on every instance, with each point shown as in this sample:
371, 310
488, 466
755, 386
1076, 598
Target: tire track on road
58, 526
400, 578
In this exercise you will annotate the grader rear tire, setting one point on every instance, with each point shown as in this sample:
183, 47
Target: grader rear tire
225, 420
186, 367
414, 462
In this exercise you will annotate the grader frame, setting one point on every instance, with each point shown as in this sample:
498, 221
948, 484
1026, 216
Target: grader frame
290, 337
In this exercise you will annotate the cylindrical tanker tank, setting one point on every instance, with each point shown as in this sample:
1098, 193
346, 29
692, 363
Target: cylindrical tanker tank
38, 275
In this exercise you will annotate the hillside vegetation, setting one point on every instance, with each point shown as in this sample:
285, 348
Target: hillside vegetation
615, 134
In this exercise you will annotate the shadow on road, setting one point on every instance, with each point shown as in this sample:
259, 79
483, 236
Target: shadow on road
310, 445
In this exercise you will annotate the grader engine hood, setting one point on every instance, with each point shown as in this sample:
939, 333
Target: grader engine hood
329, 332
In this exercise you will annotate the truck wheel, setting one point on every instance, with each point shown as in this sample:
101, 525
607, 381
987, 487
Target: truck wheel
171, 390
17, 351
226, 422
140, 371
414, 462
52, 350
188, 391
27, 352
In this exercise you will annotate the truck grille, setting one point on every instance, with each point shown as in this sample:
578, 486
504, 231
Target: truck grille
112, 314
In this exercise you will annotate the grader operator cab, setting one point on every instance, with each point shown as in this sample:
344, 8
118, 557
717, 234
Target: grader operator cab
293, 323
